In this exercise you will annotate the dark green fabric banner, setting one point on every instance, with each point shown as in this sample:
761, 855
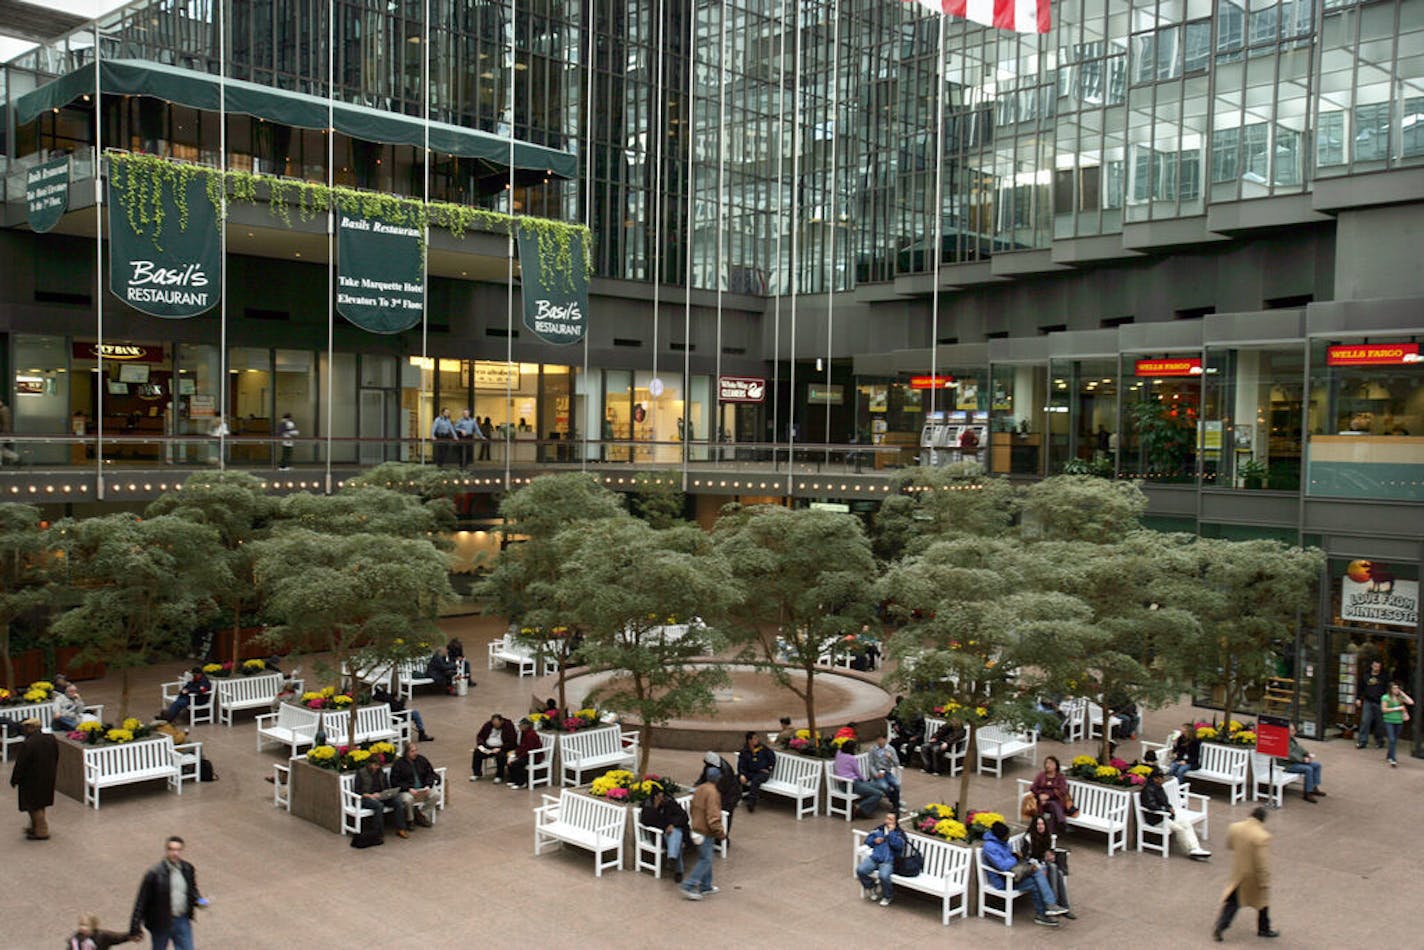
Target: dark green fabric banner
159, 263
379, 274
201, 91
47, 193
555, 287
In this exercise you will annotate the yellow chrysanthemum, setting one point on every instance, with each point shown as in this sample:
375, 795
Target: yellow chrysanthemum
1143, 770
1206, 732
987, 819
254, 665
382, 748
36, 696
132, 724
44, 686
940, 810
328, 691
1245, 737
342, 700
309, 695
1106, 771
1081, 760
951, 830
119, 735
212, 667
91, 726
358, 756
321, 753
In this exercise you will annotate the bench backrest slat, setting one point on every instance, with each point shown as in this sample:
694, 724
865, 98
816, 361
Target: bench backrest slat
1222, 758
594, 742
242, 689
796, 770
130, 757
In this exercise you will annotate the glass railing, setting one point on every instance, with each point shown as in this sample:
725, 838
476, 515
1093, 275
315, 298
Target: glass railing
1368, 467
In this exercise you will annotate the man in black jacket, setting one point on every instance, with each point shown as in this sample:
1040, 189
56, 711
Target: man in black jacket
375, 790
1371, 689
166, 900
416, 779
754, 766
1156, 808
665, 813
728, 785
33, 775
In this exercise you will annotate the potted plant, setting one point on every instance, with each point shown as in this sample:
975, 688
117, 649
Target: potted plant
1252, 473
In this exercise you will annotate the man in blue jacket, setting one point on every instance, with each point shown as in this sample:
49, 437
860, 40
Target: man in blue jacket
754, 766
1000, 857
885, 843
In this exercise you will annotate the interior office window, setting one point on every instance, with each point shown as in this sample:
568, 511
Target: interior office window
1063, 191
1117, 80
1225, 154
1089, 186
1197, 46
1287, 164
1412, 124
1141, 173
1112, 194
1330, 138
1265, 25
1255, 153
1297, 18
1189, 175
1230, 29
1169, 53
1144, 58
1372, 132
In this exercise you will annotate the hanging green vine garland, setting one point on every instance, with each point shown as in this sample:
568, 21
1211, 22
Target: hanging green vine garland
144, 180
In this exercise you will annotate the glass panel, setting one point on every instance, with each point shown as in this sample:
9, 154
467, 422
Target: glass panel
42, 400
295, 395
198, 393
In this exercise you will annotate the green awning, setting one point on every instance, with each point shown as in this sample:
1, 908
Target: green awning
298, 110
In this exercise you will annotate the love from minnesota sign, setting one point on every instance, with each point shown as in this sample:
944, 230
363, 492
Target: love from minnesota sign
165, 257
555, 286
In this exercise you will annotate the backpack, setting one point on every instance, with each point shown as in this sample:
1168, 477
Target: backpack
909, 863
206, 772
367, 839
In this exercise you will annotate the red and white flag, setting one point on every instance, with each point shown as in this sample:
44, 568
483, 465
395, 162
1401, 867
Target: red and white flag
1021, 16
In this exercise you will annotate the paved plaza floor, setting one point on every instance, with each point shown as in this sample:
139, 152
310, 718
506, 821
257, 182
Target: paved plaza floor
1345, 870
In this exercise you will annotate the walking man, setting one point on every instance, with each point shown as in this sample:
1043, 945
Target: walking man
1373, 686
706, 819
1250, 882
468, 430
166, 900
33, 775
286, 431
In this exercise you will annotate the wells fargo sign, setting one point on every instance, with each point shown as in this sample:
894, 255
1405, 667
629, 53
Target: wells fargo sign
1373, 354
1180, 367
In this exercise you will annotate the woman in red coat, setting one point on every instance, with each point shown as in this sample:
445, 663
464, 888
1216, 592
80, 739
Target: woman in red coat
1050, 789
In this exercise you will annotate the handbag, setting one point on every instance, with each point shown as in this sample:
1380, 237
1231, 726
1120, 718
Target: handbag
1060, 858
1021, 871
909, 863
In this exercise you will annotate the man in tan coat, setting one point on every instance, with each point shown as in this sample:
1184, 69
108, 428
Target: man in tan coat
705, 816
1250, 875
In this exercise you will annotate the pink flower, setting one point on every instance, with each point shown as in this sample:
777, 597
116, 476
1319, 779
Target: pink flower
75, 735
572, 724
1118, 764
1136, 779
618, 794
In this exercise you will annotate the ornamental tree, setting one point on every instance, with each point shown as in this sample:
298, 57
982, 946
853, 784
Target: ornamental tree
522, 587
624, 583
235, 504
974, 639
932, 504
1082, 508
144, 584
370, 600
1247, 598
24, 573
807, 581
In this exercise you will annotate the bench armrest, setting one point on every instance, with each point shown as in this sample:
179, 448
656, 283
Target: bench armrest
1195, 801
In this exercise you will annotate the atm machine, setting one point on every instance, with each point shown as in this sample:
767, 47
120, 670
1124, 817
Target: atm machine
936, 437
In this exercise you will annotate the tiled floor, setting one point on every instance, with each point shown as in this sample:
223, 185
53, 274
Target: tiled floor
1344, 869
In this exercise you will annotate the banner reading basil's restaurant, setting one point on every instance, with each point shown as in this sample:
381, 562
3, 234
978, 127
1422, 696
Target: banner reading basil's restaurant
379, 273
555, 285
47, 194
165, 256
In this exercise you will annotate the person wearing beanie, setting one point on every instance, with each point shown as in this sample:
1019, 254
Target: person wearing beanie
1000, 861
727, 784
705, 817
1157, 808
33, 776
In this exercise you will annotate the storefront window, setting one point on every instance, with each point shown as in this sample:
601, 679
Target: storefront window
417, 405
889, 412
1082, 411
662, 421
42, 398
618, 414
198, 399
1366, 418
1161, 417
344, 409
250, 404
136, 387
1250, 431
1018, 418
295, 393
1374, 615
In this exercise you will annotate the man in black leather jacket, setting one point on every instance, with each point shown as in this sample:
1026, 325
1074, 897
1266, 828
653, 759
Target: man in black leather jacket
416, 779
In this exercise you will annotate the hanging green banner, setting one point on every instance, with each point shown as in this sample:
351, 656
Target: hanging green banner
165, 256
551, 265
47, 193
379, 274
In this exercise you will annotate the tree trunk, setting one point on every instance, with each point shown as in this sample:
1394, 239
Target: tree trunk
1229, 690
645, 737
810, 698
9, 679
971, 750
1105, 750
124, 696
236, 635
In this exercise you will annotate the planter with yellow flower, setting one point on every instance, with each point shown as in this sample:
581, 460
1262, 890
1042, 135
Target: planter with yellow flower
315, 779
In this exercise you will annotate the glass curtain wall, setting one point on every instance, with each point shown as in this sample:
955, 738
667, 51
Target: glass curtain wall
1252, 415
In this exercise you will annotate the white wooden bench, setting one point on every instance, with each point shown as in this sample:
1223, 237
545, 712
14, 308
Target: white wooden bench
1224, 765
987, 890
508, 651
589, 823
1094, 717
597, 748
197, 713
1100, 808
945, 874
541, 761
1269, 779
44, 712
292, 726
144, 760
955, 756
410, 674
1189, 807
840, 799
650, 846
246, 692
380, 675
352, 812
996, 743
1075, 719
797, 778
373, 724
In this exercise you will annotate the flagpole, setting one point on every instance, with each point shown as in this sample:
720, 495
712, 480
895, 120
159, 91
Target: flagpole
508, 443
425, 249
938, 220
715, 433
659, 113
222, 240
588, 146
831, 213
331, 212
779, 225
795, 249
691, 229
98, 269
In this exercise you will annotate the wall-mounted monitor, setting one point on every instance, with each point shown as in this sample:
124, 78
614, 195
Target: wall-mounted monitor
133, 372
117, 388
